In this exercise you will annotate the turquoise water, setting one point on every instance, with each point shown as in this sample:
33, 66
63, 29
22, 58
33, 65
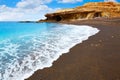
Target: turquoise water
27, 47
15, 29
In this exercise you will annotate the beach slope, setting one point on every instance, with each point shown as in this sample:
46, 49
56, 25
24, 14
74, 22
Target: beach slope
97, 58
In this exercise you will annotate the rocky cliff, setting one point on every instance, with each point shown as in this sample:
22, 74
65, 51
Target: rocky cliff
87, 11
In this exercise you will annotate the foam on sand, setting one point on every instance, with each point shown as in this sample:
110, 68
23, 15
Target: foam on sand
20, 58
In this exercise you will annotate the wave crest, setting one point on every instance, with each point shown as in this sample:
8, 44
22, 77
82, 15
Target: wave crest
19, 58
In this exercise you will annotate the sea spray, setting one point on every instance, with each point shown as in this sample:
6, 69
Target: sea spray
22, 56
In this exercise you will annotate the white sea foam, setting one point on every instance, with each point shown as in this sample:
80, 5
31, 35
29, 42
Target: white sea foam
20, 58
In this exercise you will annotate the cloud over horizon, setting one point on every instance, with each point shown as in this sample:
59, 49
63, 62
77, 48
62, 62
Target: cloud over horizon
25, 10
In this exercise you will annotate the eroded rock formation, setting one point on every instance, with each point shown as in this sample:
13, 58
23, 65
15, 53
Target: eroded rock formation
87, 11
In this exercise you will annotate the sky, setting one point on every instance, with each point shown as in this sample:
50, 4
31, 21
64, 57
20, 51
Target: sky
32, 10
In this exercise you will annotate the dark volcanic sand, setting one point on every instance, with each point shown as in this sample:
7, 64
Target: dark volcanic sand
97, 58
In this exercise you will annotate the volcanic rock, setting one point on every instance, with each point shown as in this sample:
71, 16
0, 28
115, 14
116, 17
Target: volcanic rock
90, 10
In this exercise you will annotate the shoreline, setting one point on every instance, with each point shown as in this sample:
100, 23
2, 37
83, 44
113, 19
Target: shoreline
95, 59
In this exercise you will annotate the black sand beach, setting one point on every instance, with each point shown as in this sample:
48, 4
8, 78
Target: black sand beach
97, 58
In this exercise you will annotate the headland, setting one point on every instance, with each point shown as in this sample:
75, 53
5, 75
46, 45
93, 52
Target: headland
96, 58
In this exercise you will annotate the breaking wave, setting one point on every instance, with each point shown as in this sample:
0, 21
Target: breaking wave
21, 57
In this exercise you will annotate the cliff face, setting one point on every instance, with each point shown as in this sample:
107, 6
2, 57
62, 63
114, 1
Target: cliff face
87, 11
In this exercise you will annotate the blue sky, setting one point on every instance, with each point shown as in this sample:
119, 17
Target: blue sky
53, 4
17, 10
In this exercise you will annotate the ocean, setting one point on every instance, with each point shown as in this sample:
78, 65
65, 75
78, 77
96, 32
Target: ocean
28, 47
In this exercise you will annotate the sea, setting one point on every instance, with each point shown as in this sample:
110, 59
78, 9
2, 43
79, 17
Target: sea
28, 47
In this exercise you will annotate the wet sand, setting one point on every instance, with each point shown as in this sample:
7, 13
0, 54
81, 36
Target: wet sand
97, 58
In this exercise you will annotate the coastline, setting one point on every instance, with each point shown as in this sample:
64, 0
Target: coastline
95, 59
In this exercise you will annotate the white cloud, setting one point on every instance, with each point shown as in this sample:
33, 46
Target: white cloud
110, 1
31, 3
69, 1
25, 10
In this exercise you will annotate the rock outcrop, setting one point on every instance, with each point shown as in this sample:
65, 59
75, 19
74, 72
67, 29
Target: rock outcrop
88, 11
